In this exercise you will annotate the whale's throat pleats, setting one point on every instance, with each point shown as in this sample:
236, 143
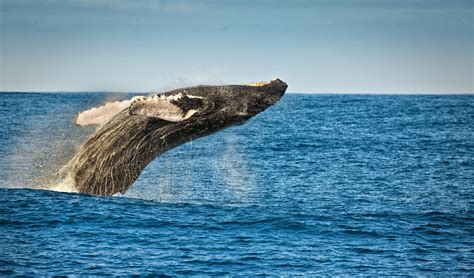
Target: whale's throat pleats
131, 134
111, 160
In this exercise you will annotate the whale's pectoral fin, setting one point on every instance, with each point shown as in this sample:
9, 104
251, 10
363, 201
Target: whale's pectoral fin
172, 108
102, 114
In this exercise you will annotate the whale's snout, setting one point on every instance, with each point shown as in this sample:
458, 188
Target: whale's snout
274, 87
275, 90
277, 86
264, 95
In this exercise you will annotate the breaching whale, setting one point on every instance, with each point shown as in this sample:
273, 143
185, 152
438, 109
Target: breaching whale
134, 132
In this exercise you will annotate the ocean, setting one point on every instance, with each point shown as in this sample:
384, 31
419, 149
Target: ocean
316, 185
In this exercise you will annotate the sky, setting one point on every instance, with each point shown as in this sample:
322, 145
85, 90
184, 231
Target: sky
319, 46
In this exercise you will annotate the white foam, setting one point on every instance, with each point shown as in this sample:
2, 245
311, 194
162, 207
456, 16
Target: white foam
66, 184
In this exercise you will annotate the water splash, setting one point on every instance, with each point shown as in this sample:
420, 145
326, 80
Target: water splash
233, 170
44, 137
63, 184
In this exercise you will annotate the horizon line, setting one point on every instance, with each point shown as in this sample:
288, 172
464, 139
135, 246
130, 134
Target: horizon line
296, 93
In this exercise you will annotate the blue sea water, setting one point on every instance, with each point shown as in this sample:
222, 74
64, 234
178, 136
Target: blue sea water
318, 184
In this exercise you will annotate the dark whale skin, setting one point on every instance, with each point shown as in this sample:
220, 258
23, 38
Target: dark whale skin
115, 155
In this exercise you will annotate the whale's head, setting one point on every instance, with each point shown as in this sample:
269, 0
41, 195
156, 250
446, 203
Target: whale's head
225, 105
259, 96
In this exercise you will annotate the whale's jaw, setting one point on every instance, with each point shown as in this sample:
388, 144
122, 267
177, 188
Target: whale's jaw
113, 158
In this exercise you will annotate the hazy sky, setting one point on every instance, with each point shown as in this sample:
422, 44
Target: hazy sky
324, 46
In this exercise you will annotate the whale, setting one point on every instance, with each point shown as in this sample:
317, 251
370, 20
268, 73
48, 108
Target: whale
132, 133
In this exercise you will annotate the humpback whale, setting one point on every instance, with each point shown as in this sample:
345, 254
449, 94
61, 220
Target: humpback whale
132, 133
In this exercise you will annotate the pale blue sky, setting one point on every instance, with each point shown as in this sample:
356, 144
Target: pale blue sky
325, 46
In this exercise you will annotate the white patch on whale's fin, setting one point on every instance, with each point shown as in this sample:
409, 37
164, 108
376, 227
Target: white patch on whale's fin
103, 114
160, 106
